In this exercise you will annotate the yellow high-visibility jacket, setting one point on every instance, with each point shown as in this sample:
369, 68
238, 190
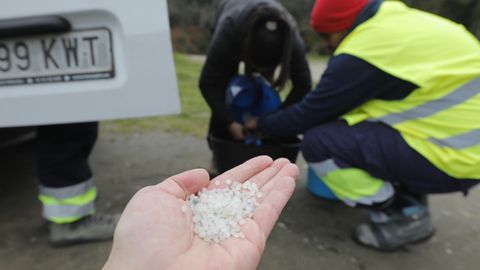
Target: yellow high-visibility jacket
441, 119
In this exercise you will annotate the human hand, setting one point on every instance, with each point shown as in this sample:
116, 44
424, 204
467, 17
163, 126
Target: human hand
251, 124
236, 130
154, 233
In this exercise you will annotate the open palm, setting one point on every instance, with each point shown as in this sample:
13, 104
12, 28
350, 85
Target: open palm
154, 233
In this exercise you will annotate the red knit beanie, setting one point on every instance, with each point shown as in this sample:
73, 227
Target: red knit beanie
333, 16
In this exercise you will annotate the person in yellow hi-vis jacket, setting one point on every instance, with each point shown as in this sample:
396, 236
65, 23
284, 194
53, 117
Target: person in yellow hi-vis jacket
395, 116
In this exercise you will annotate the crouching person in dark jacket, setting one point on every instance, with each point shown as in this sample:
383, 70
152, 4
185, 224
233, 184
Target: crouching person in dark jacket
262, 35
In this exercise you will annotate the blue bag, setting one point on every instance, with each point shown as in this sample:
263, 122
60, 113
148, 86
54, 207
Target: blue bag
251, 97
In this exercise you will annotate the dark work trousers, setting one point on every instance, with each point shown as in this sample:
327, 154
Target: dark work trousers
63, 151
382, 152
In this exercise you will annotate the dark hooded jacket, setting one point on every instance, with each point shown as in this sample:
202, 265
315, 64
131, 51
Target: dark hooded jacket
226, 52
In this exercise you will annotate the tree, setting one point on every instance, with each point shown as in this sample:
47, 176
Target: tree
191, 20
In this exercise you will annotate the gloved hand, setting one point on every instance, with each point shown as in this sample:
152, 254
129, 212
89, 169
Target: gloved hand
253, 135
253, 138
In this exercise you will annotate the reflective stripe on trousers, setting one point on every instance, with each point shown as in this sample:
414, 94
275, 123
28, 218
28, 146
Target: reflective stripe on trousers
352, 185
68, 204
456, 97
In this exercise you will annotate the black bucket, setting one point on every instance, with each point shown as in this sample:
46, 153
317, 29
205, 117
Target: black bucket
230, 153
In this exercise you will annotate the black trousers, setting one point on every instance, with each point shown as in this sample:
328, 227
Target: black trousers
63, 151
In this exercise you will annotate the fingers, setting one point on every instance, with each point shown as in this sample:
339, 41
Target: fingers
236, 130
246, 170
259, 170
185, 183
268, 212
251, 123
266, 175
289, 169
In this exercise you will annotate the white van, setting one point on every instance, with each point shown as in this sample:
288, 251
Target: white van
75, 61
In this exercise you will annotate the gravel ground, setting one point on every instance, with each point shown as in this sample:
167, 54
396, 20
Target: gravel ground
312, 233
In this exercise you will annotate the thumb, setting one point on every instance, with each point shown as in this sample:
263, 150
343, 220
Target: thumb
186, 183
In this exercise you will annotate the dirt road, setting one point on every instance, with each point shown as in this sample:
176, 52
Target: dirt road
311, 234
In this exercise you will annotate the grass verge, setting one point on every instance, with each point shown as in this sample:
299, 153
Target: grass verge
193, 120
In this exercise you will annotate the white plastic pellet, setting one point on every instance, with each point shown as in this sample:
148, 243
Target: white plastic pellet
218, 213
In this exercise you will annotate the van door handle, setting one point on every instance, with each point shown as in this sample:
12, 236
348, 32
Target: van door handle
33, 25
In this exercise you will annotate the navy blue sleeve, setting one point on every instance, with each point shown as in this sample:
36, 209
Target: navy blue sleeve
347, 83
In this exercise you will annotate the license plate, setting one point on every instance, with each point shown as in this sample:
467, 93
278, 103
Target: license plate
78, 55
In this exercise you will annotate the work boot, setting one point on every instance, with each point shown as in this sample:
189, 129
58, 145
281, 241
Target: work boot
89, 229
393, 229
